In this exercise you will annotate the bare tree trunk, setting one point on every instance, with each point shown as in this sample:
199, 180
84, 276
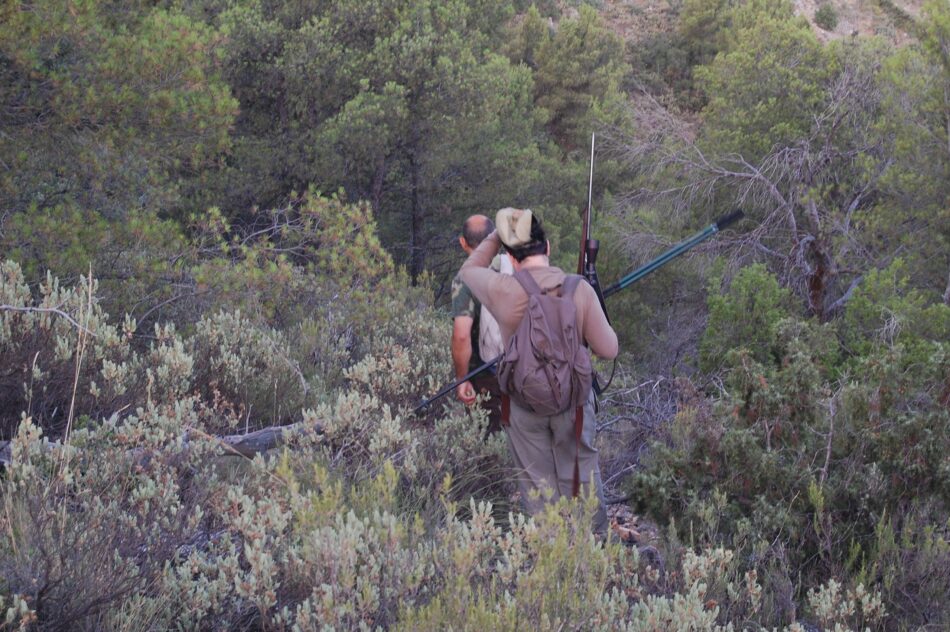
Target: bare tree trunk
416, 256
379, 180
818, 280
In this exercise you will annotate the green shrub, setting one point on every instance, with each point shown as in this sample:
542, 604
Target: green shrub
138, 260
826, 17
262, 335
829, 449
885, 310
368, 517
89, 527
795, 454
247, 368
743, 316
909, 559
53, 343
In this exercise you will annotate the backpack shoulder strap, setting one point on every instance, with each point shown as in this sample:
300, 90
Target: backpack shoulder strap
571, 281
527, 282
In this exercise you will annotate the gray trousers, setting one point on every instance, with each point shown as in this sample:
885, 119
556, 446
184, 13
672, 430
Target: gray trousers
544, 449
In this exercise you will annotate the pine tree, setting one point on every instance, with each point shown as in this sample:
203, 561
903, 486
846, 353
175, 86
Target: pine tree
108, 107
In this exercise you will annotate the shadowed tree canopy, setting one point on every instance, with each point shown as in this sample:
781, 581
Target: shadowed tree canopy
578, 70
917, 102
399, 102
110, 107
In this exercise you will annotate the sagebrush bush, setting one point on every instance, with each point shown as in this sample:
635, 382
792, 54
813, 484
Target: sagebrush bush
51, 364
265, 323
249, 367
367, 517
202, 544
812, 489
91, 525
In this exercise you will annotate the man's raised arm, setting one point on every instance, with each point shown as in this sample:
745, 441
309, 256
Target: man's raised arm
475, 272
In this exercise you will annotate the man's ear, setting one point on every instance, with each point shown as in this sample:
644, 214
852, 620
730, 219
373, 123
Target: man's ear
464, 244
547, 250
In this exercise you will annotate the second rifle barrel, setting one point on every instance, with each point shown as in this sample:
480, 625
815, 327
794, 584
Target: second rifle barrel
672, 253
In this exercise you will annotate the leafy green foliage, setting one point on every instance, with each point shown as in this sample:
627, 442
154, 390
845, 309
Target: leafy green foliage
74, 560
704, 26
109, 110
579, 68
711, 27
316, 275
886, 311
288, 542
136, 260
662, 65
410, 111
176, 153
916, 80
764, 89
776, 460
744, 317
826, 17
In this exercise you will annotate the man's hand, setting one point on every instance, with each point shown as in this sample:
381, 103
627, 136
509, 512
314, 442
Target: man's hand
466, 393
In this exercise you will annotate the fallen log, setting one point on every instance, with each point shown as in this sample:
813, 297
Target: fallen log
265, 439
247, 445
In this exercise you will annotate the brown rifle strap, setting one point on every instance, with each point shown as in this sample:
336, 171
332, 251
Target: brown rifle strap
578, 433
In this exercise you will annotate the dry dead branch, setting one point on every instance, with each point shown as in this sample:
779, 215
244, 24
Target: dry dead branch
247, 445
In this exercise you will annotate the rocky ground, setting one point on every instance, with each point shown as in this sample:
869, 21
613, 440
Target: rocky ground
634, 19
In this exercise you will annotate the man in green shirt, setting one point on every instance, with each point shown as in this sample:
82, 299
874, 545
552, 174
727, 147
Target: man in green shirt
466, 315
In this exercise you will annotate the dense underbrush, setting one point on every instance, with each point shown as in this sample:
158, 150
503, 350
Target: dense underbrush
208, 368
811, 485
144, 519
824, 453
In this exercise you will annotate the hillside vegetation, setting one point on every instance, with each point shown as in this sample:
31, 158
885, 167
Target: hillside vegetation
634, 19
227, 234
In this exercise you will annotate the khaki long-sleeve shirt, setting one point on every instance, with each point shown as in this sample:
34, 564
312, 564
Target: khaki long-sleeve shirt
504, 297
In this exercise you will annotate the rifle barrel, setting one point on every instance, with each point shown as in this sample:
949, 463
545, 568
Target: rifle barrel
590, 183
451, 387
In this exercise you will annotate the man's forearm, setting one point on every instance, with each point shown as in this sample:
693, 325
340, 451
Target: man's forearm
462, 344
461, 361
462, 356
475, 272
598, 333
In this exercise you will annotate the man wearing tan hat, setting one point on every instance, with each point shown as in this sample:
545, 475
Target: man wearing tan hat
544, 448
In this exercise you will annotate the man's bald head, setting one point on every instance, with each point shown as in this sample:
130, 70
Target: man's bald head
475, 229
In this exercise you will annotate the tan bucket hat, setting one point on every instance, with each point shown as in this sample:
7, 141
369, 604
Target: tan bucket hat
514, 226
